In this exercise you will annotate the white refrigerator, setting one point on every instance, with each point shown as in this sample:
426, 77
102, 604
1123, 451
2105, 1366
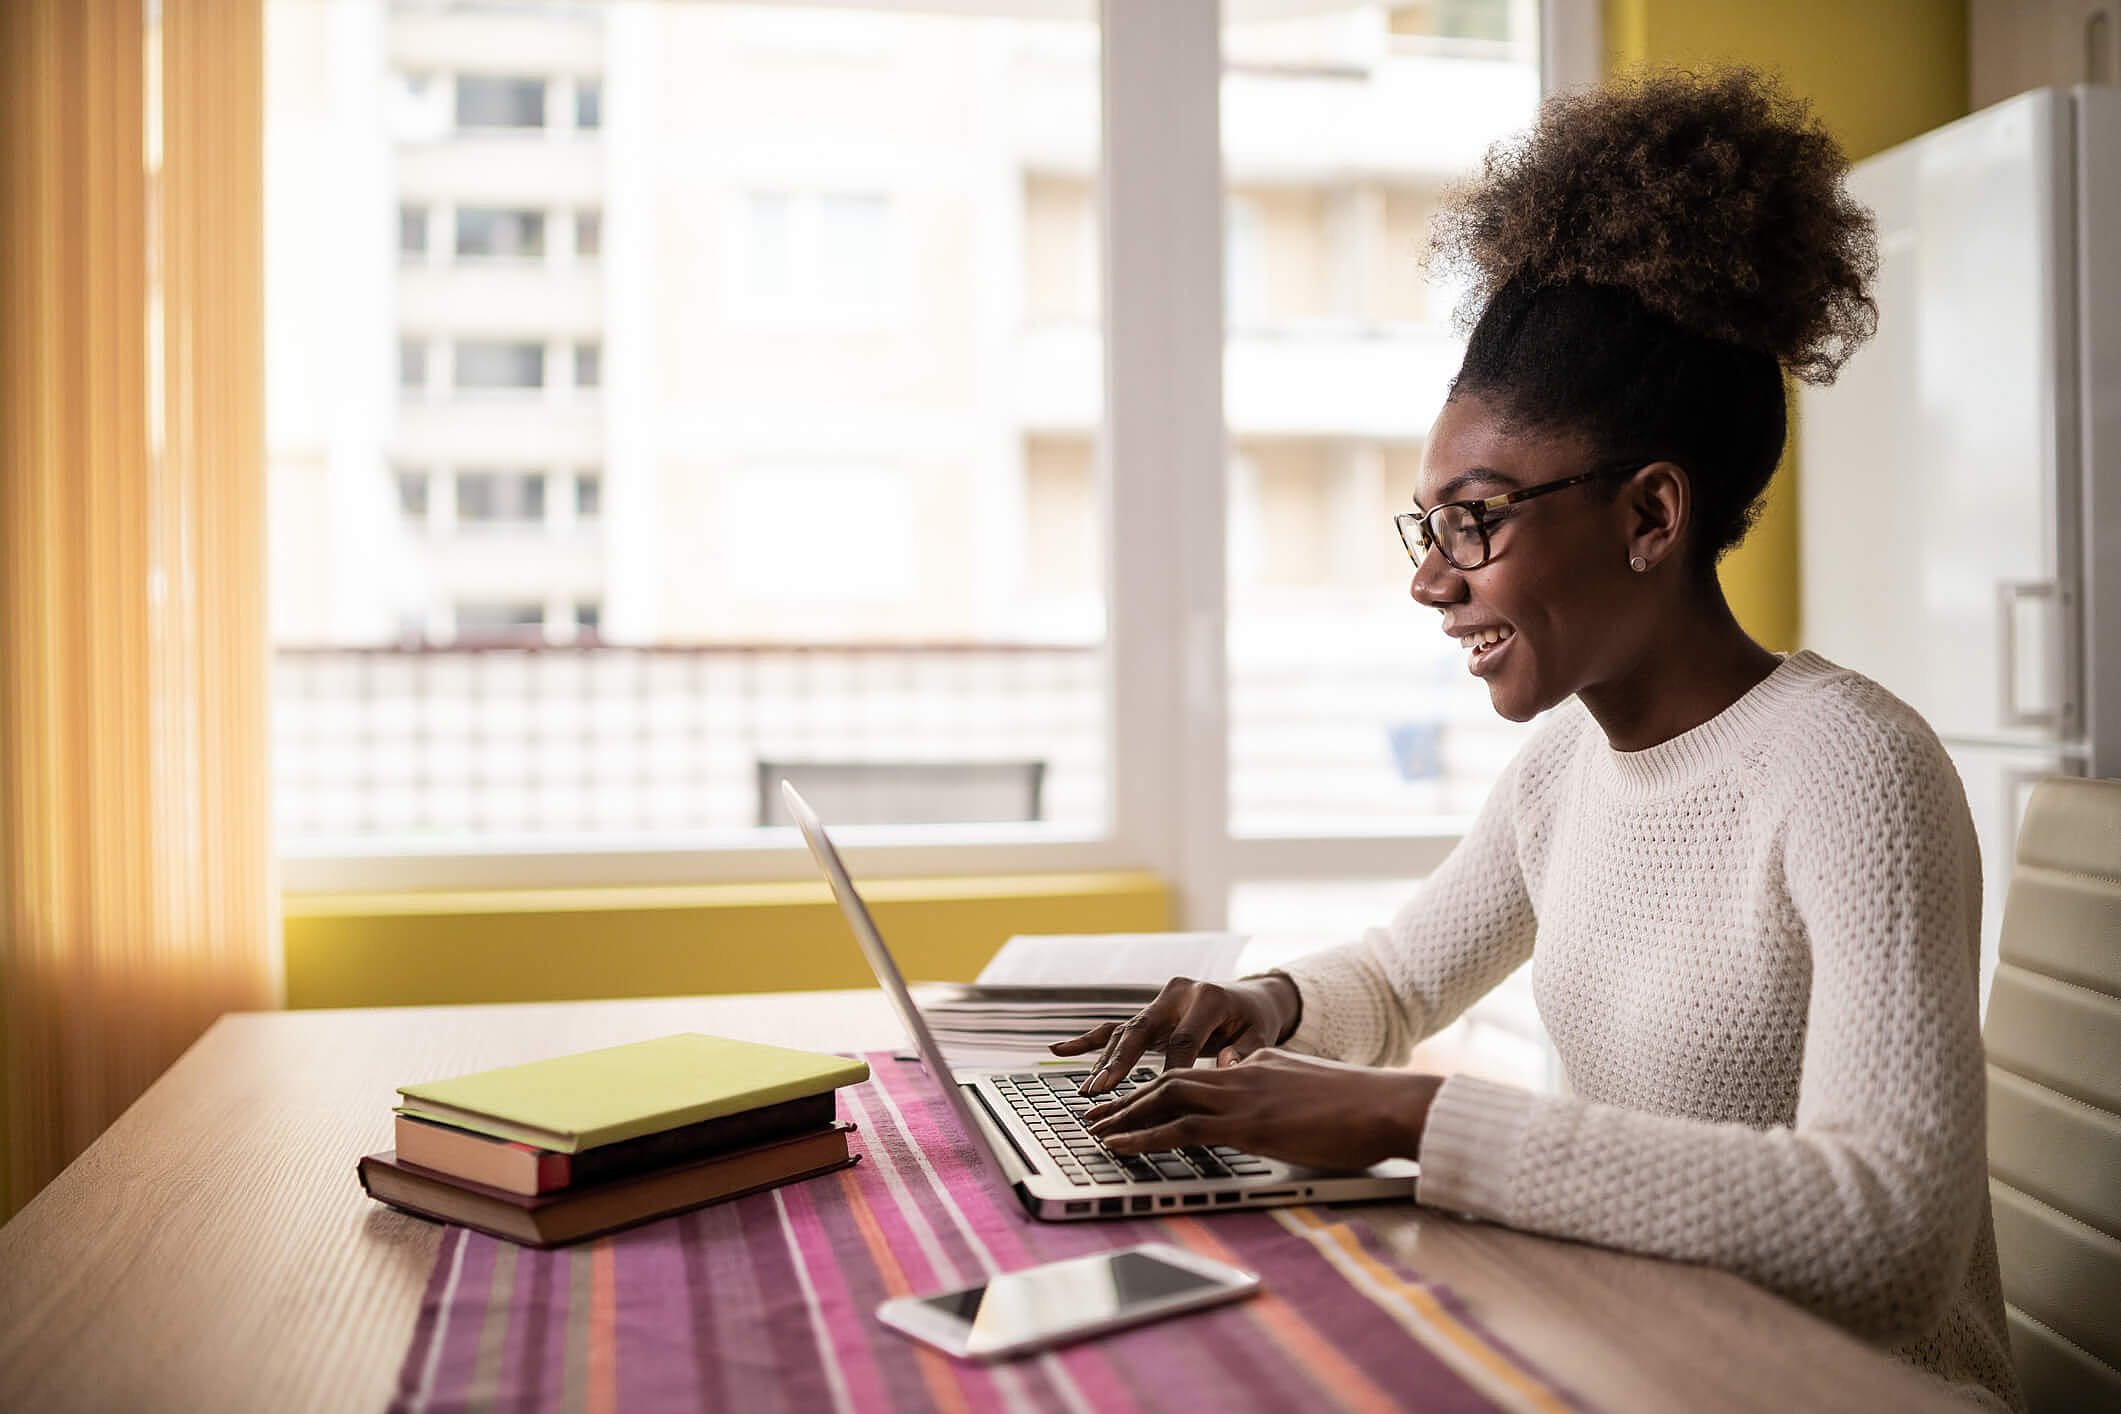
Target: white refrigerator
1960, 507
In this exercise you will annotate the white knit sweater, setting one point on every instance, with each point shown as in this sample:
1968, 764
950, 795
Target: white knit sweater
1755, 948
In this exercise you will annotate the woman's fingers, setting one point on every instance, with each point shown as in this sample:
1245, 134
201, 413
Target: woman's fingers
1090, 1040
1121, 1052
1138, 1033
1180, 1133
1246, 1044
1171, 1094
1207, 1014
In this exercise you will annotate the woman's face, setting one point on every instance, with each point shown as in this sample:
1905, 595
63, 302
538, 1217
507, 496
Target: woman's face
1556, 586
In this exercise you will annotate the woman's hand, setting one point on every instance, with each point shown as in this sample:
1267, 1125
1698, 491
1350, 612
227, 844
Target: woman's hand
1301, 1109
1186, 1019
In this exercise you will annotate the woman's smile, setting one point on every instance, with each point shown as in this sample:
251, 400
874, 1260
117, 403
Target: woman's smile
1485, 645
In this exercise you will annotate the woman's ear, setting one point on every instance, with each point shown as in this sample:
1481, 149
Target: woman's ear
1658, 501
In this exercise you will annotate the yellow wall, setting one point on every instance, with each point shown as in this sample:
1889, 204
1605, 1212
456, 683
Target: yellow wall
1877, 72
567, 944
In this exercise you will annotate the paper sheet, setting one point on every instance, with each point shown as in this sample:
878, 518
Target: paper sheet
1112, 959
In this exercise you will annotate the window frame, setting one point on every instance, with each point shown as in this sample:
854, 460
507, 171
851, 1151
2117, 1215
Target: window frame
1161, 463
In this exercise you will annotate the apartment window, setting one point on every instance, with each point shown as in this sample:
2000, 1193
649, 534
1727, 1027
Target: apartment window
850, 249
412, 230
484, 365
587, 616
416, 108
816, 254
588, 365
1487, 20
485, 101
497, 622
588, 495
588, 234
769, 246
412, 494
837, 533
504, 233
500, 498
588, 104
412, 365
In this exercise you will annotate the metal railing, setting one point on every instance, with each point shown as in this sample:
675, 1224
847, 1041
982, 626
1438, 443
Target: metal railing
449, 743
456, 744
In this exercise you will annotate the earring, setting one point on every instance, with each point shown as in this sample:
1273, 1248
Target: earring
1638, 564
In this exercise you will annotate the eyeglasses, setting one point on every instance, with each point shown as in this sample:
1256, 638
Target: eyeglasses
1460, 528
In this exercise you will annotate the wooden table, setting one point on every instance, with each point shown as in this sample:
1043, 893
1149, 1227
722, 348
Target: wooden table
213, 1250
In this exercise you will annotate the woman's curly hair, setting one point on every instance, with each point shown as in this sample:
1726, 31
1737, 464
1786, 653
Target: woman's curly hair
1647, 262
1715, 199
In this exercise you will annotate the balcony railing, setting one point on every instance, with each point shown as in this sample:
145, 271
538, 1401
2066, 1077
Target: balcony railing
454, 746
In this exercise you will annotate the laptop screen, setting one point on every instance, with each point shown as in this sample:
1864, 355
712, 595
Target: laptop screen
885, 967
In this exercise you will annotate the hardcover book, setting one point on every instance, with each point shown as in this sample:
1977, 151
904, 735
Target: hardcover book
527, 1169
554, 1219
583, 1101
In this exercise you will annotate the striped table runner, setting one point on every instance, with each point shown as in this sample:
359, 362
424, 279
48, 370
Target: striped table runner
765, 1304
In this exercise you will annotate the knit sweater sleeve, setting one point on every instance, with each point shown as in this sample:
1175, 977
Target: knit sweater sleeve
1466, 928
1867, 1208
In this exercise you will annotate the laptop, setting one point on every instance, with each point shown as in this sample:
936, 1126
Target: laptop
1026, 1125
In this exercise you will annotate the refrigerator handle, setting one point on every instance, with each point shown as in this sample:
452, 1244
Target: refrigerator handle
2009, 594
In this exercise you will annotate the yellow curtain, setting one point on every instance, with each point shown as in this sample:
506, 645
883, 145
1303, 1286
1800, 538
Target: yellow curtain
137, 898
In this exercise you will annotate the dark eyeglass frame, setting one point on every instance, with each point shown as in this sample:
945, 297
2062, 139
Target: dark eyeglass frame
1417, 534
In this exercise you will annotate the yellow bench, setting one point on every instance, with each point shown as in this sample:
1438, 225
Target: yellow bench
571, 944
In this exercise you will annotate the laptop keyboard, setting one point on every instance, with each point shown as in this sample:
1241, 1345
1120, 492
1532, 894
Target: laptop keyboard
1052, 1105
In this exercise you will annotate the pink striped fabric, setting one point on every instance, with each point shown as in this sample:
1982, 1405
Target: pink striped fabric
765, 1303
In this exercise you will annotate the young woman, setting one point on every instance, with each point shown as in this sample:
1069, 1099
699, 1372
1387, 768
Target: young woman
1748, 884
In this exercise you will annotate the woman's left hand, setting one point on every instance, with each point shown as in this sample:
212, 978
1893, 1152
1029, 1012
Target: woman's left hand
1276, 1103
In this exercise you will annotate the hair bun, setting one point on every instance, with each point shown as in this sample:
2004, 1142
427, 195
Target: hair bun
1716, 199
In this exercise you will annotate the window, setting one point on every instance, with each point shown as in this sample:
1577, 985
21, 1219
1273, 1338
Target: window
850, 249
588, 104
416, 108
872, 492
588, 365
412, 230
838, 534
412, 494
500, 498
769, 246
412, 365
490, 102
493, 364
1060, 250
501, 232
506, 622
816, 255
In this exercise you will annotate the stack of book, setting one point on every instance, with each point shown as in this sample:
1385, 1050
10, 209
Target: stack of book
563, 1149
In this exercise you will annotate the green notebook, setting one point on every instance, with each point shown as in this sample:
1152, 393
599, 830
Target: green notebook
572, 1103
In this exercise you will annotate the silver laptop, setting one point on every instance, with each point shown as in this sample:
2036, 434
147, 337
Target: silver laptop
1027, 1125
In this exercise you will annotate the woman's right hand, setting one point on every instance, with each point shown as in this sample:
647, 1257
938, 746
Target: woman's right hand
1189, 1018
